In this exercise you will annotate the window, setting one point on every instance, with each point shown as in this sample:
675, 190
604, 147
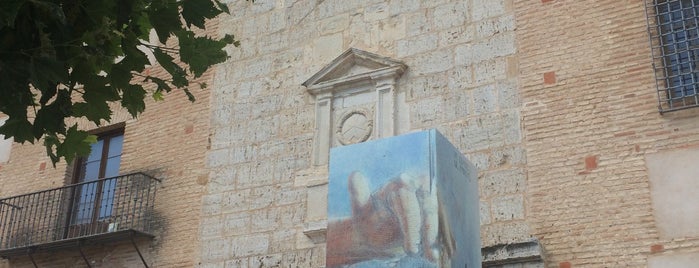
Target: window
95, 197
674, 36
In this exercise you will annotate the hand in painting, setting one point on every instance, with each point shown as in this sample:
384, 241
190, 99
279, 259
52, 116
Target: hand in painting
398, 219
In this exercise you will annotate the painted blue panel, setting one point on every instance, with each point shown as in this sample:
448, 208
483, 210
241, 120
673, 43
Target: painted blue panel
390, 205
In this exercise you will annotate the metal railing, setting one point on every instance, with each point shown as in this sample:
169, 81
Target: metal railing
78, 210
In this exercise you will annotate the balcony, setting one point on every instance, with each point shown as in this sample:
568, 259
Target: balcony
110, 209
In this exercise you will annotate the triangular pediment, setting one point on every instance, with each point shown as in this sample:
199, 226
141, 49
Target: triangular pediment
351, 66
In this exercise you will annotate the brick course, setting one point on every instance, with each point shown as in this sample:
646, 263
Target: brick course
601, 110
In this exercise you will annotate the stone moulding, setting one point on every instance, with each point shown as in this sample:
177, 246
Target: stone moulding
355, 72
316, 231
513, 253
343, 71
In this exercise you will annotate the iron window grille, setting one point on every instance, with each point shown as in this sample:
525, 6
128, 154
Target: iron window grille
674, 38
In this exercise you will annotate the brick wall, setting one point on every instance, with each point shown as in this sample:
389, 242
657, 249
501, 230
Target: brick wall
590, 116
168, 141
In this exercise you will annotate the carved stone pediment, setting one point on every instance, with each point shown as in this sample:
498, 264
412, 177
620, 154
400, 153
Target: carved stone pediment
353, 67
355, 100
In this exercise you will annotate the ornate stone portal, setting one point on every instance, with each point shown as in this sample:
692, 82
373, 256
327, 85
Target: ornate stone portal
356, 101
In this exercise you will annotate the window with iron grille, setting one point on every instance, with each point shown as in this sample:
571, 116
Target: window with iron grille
674, 36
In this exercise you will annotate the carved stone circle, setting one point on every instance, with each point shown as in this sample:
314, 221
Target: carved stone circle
354, 127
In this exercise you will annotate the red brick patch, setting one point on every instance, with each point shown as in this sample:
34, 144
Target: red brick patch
565, 264
656, 248
591, 162
549, 78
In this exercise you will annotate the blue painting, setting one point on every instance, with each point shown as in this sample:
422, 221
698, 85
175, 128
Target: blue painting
390, 205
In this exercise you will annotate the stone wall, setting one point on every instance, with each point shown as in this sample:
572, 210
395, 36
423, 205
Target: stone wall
461, 78
590, 121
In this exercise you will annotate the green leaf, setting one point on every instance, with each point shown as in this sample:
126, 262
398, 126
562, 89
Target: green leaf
158, 95
165, 19
179, 76
51, 118
132, 99
229, 39
120, 76
46, 73
51, 141
201, 52
8, 11
52, 10
18, 128
223, 7
96, 106
195, 12
76, 142
189, 94
94, 112
162, 85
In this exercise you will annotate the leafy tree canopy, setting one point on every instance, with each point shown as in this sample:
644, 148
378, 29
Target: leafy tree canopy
62, 59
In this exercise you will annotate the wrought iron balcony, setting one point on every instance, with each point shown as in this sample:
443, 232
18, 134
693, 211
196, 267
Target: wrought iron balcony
99, 210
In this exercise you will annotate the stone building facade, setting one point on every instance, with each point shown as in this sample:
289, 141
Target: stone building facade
555, 102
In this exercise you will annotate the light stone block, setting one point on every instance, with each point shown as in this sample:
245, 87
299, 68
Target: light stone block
484, 213
508, 94
211, 227
461, 104
376, 12
450, 15
457, 35
490, 27
482, 9
485, 99
325, 47
497, 46
502, 182
237, 223
677, 260
317, 203
512, 126
427, 111
266, 261
490, 70
215, 249
432, 62
416, 44
507, 208
673, 188
424, 86
417, 24
238, 263
505, 233
248, 245
333, 24
403, 6
460, 78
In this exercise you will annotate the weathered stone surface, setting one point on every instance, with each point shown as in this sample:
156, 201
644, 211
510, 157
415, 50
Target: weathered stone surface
461, 79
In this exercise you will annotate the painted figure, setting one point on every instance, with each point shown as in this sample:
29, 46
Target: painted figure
398, 223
